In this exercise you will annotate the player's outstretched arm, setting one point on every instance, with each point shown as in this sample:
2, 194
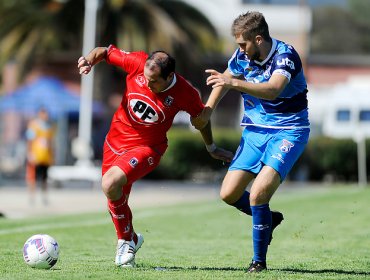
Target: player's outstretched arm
219, 91
85, 63
268, 90
214, 151
214, 98
202, 120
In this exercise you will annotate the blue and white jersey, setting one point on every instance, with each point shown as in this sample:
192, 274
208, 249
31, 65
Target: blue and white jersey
289, 109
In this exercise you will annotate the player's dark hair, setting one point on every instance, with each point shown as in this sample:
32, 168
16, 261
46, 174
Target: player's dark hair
164, 61
249, 25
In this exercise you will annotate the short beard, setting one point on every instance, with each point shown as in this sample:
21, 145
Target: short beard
256, 56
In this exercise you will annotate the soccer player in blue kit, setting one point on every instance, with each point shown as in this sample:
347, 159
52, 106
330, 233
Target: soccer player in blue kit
269, 75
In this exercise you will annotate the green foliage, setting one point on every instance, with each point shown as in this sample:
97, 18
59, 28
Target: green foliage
187, 154
327, 157
339, 30
324, 158
207, 240
334, 31
33, 29
38, 30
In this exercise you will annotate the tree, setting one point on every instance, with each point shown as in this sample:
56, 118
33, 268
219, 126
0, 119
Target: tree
333, 32
339, 30
361, 10
30, 29
38, 29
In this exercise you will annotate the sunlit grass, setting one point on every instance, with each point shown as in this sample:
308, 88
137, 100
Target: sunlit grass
325, 235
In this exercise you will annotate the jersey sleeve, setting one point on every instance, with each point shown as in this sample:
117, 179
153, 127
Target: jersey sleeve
286, 64
235, 67
193, 105
128, 61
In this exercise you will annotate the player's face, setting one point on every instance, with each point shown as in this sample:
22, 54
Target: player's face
249, 47
154, 80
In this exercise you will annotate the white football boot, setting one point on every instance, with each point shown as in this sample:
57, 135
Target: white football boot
126, 251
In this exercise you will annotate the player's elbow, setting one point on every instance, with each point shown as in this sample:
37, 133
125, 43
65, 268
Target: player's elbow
272, 93
199, 123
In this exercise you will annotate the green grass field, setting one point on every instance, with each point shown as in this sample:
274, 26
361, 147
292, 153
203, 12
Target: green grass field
325, 235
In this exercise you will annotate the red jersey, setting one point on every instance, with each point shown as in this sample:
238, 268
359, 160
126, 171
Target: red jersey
143, 117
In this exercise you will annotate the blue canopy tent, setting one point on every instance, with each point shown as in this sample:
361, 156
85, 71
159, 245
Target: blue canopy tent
46, 92
61, 103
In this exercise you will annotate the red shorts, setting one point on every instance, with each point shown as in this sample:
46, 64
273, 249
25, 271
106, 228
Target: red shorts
135, 163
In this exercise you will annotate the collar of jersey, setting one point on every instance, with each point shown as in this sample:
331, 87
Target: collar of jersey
273, 47
172, 84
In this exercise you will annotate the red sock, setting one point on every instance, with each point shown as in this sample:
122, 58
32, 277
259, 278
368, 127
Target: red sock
121, 217
133, 234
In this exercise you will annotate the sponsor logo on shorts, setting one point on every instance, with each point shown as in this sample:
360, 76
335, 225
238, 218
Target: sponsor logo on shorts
279, 157
286, 146
133, 162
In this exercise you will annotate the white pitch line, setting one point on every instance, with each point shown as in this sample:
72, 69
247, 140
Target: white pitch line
53, 226
107, 220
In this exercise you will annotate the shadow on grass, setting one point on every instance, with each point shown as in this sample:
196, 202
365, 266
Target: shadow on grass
288, 270
177, 268
322, 271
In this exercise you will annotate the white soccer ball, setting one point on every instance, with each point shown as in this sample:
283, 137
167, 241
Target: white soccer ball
41, 251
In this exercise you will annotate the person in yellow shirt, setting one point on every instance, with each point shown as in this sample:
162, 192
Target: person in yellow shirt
39, 135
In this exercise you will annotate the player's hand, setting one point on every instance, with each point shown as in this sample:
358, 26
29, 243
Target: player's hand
84, 66
222, 154
217, 79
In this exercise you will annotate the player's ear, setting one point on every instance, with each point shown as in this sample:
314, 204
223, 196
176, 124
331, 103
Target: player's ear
258, 39
170, 76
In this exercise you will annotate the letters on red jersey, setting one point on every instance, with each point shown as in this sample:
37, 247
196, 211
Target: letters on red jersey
144, 117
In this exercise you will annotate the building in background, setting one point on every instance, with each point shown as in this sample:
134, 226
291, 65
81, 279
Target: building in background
339, 94
289, 23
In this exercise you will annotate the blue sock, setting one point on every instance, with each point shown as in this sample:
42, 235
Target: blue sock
243, 204
261, 216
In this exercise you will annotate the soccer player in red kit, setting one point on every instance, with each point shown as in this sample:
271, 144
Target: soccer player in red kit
136, 141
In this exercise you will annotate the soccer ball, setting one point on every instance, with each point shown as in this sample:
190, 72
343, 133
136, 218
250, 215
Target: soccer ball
41, 251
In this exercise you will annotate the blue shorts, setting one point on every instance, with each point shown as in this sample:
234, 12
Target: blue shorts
276, 148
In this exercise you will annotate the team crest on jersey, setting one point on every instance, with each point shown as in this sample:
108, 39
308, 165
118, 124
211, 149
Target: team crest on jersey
150, 161
286, 146
267, 73
144, 110
168, 101
140, 80
133, 162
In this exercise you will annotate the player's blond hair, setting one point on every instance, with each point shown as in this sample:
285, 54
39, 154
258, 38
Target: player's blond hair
249, 25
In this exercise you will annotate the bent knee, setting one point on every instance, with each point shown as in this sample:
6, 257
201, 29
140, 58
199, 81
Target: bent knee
112, 182
258, 199
108, 185
228, 196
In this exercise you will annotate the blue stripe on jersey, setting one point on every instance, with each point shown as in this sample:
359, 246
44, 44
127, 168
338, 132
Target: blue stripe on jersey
296, 104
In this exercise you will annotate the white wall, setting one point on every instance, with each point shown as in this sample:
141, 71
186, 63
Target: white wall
291, 24
353, 96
